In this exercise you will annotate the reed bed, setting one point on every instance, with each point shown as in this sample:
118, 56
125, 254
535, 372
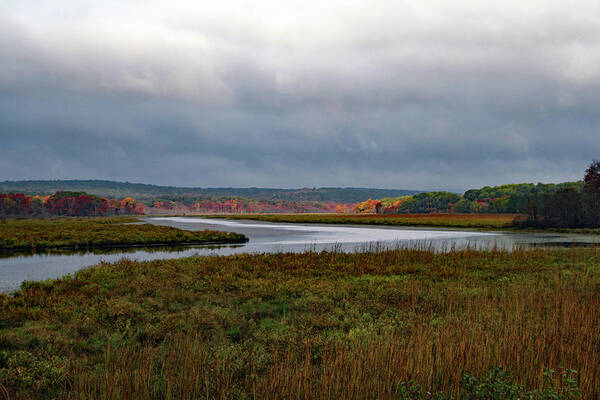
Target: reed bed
39, 234
395, 324
454, 220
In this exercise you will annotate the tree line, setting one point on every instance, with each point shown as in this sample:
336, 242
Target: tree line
65, 203
568, 205
239, 205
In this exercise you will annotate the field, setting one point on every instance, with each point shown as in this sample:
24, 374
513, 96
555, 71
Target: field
493, 221
372, 325
95, 232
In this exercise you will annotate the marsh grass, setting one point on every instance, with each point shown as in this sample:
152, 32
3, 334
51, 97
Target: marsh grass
37, 234
391, 324
433, 220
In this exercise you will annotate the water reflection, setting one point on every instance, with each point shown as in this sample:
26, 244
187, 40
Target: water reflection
53, 264
123, 250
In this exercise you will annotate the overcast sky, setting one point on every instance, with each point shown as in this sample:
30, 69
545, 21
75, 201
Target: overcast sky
399, 94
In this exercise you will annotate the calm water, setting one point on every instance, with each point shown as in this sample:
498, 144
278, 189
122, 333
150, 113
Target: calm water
270, 238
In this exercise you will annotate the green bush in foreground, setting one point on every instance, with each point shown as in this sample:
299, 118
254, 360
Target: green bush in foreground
399, 324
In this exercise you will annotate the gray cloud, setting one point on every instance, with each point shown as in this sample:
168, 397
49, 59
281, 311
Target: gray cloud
419, 95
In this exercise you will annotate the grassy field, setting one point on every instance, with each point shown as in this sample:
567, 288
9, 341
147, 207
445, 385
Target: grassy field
493, 221
90, 232
373, 325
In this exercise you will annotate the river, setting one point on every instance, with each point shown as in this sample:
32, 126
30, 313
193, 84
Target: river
268, 237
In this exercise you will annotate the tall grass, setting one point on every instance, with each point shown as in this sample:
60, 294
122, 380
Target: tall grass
97, 232
315, 325
434, 220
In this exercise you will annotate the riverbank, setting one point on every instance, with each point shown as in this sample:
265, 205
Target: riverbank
478, 221
74, 233
309, 325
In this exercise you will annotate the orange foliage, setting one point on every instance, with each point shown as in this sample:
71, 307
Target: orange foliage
370, 207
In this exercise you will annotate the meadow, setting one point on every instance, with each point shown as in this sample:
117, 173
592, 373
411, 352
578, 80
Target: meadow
38, 234
397, 324
454, 220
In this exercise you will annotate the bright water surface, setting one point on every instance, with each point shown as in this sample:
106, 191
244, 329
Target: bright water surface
270, 238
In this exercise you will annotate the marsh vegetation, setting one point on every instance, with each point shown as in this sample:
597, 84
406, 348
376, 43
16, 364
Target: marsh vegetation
37, 234
491, 221
373, 325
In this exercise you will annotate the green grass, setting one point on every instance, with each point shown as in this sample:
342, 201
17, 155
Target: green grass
372, 325
40, 234
489, 221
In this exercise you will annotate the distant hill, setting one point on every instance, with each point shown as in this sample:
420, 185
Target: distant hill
143, 191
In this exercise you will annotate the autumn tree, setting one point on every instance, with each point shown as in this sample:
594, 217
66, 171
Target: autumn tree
592, 176
591, 201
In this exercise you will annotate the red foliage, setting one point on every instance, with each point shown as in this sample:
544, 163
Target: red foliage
82, 204
66, 203
76, 204
15, 204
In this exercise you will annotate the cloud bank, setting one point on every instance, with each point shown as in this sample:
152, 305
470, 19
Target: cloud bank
409, 94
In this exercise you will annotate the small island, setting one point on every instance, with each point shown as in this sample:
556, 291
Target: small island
76, 233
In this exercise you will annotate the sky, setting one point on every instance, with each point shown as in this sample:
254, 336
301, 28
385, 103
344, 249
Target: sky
420, 94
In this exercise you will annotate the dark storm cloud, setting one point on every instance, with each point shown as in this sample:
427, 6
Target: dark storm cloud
414, 97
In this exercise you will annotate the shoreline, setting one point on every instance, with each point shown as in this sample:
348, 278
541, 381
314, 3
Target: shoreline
120, 246
355, 219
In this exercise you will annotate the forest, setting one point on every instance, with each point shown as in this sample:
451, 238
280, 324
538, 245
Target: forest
84, 204
66, 204
237, 205
562, 205
504, 199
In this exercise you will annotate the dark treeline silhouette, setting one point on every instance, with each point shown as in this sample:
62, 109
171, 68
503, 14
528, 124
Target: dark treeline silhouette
569, 207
